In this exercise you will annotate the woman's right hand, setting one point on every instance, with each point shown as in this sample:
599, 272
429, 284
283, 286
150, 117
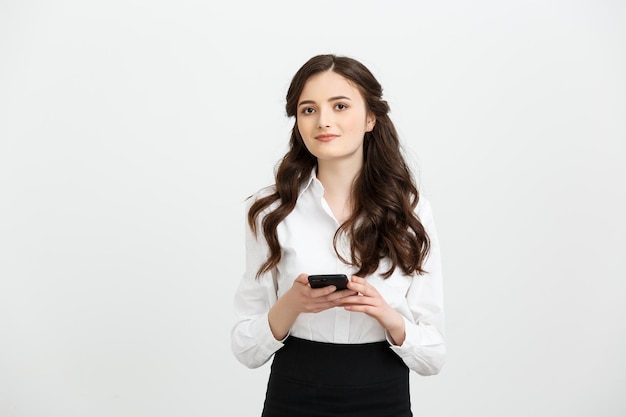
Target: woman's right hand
305, 299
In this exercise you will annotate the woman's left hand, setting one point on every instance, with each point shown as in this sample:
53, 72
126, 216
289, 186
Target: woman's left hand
369, 301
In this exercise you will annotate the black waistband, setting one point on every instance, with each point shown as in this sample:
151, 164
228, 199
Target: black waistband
338, 364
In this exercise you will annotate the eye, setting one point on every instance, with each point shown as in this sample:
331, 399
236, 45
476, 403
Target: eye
307, 110
340, 106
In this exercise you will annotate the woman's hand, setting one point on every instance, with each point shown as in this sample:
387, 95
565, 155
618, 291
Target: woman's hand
305, 299
301, 298
369, 301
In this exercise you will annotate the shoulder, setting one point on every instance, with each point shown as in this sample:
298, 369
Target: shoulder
423, 206
259, 194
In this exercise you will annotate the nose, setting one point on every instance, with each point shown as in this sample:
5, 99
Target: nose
324, 118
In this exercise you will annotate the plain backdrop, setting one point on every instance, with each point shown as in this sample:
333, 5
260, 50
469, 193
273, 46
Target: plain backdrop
132, 131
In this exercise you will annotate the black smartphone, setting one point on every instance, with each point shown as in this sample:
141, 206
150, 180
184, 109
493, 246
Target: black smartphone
323, 280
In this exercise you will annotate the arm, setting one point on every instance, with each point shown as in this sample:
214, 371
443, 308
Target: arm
252, 341
415, 329
262, 319
423, 348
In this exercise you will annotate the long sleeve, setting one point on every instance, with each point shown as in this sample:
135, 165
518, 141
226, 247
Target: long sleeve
252, 341
424, 348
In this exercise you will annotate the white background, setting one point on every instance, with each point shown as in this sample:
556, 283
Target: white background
132, 131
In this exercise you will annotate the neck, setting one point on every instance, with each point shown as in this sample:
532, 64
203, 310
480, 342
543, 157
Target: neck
337, 178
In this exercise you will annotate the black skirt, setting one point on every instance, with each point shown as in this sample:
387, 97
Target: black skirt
314, 379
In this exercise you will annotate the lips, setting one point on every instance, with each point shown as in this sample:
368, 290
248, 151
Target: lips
325, 137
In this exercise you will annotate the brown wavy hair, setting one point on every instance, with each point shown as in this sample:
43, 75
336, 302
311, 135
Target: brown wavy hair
383, 223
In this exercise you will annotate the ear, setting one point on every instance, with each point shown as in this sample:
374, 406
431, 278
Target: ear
371, 121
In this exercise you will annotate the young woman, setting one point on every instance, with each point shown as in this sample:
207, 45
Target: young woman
344, 202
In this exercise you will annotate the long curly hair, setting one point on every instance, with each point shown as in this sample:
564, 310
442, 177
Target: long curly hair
383, 223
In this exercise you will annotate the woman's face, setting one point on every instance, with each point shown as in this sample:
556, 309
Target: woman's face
332, 118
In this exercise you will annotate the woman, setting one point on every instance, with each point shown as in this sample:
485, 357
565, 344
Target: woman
344, 202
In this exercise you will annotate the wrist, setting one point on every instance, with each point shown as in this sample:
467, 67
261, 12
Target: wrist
397, 329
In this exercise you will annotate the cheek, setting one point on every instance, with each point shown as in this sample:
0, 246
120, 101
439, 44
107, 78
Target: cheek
306, 127
355, 122
356, 126
302, 126
302, 129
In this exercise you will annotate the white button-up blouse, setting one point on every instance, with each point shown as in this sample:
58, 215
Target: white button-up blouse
306, 237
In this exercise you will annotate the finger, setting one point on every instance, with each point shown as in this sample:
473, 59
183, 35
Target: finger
358, 279
357, 300
323, 292
359, 287
302, 279
338, 297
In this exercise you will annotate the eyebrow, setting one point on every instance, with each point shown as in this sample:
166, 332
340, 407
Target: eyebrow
335, 98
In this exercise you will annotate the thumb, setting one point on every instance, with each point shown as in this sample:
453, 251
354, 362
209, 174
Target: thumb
302, 279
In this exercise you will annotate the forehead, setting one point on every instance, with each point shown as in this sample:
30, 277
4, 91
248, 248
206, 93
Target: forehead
329, 84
